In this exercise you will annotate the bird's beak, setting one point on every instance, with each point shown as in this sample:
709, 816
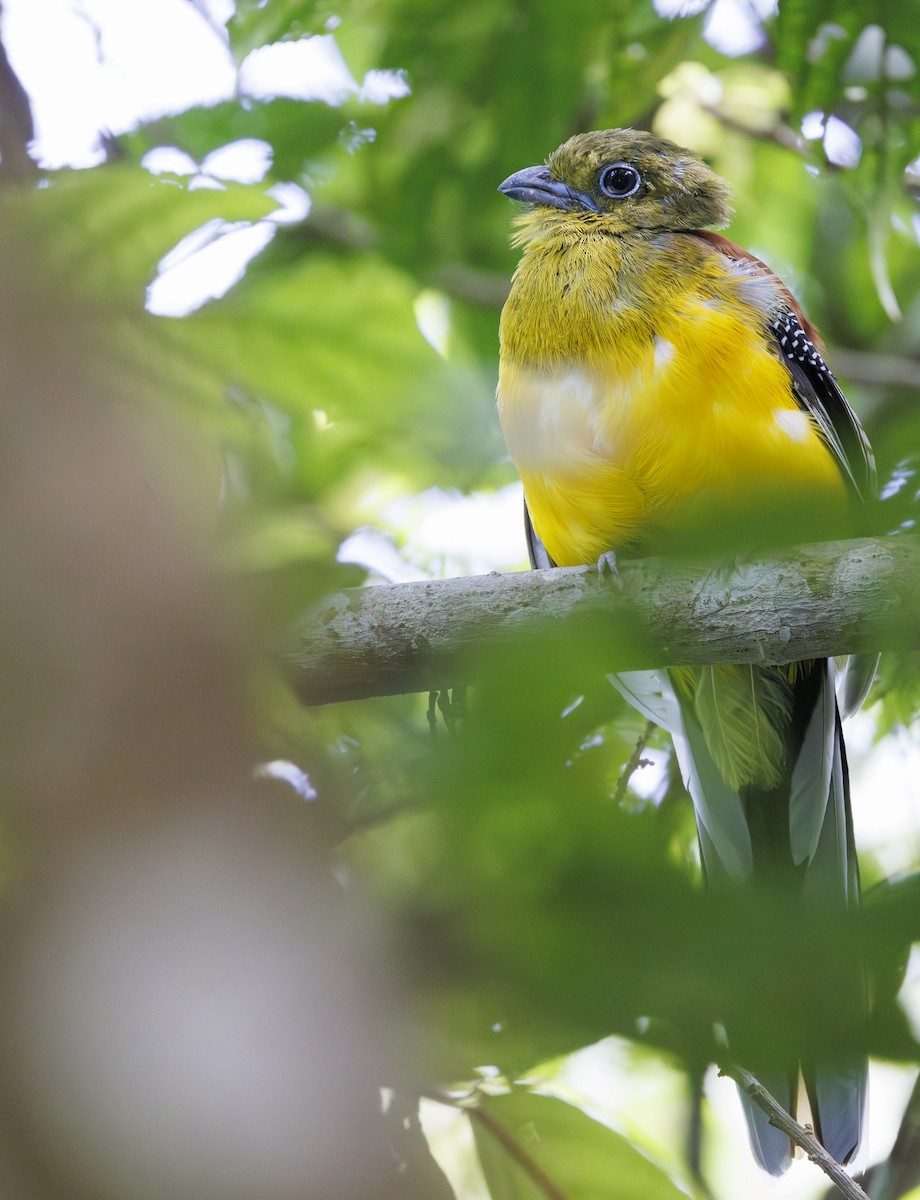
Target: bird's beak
535, 185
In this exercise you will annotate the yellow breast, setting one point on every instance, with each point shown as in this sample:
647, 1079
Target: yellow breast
639, 394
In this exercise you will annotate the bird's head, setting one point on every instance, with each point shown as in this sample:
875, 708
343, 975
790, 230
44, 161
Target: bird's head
625, 180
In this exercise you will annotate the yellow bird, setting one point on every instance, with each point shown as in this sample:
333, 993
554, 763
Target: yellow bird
655, 380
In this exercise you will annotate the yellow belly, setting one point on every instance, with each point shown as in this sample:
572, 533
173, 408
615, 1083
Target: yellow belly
656, 435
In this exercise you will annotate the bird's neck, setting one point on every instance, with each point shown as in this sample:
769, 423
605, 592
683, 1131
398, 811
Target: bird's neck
579, 291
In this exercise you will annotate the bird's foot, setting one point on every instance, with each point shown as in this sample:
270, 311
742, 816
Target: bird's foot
608, 568
722, 573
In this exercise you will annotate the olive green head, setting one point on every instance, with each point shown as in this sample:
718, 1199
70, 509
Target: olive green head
628, 179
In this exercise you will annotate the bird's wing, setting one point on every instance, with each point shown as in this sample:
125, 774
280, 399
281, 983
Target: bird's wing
798, 344
816, 391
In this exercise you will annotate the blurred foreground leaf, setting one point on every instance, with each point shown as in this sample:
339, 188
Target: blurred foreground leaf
108, 228
535, 1147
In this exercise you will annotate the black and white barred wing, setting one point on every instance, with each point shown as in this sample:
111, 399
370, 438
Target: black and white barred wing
819, 394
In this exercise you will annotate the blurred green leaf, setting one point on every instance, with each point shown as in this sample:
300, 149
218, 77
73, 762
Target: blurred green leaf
297, 131
542, 916
526, 1133
255, 23
108, 228
333, 344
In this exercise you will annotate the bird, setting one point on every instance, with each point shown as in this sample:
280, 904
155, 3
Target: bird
656, 380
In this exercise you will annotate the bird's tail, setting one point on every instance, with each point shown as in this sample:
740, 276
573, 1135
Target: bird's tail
745, 833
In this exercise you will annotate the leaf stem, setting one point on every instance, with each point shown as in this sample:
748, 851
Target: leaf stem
516, 1151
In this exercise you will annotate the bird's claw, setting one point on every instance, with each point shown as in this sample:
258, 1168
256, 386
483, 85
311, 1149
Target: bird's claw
723, 573
608, 569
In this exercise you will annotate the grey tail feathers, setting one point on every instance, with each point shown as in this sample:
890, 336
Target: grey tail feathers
812, 824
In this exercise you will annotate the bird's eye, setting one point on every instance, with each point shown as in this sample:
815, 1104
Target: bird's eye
619, 181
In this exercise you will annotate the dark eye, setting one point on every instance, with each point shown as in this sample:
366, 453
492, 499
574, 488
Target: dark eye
619, 180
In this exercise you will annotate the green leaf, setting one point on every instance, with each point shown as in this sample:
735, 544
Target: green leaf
108, 228
332, 342
298, 131
535, 1147
256, 23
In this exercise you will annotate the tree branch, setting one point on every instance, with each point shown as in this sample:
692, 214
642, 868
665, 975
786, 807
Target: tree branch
876, 369
801, 1135
808, 602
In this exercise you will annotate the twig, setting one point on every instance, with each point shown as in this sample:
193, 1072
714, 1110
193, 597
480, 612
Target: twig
878, 370
635, 761
800, 1134
781, 134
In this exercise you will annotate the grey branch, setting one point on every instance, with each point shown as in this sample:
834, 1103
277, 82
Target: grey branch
808, 602
878, 370
801, 1135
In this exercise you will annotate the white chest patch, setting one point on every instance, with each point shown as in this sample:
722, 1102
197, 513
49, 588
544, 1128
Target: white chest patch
664, 352
794, 422
560, 418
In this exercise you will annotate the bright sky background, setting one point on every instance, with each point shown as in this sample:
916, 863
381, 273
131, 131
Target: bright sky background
93, 65
111, 63
114, 63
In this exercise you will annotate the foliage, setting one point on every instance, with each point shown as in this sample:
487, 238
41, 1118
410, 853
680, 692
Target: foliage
535, 909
